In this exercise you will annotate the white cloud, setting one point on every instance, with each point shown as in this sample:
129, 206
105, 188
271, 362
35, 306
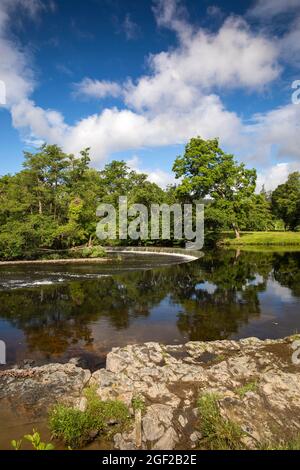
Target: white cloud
97, 88
233, 57
129, 27
157, 176
275, 175
176, 100
270, 8
279, 127
290, 43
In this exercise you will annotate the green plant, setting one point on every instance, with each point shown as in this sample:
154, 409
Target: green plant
217, 432
138, 403
93, 252
77, 427
220, 358
248, 387
289, 444
16, 445
35, 440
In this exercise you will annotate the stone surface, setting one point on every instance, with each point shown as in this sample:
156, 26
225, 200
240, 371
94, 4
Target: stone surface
169, 380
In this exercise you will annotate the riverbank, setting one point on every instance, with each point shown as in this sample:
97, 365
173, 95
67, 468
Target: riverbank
221, 394
262, 239
62, 261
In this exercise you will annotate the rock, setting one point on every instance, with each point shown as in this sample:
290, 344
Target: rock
125, 441
182, 420
138, 428
167, 441
170, 379
82, 405
152, 428
195, 437
29, 393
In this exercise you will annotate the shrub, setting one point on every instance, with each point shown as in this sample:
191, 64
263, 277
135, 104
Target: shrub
93, 252
35, 440
76, 427
218, 433
248, 387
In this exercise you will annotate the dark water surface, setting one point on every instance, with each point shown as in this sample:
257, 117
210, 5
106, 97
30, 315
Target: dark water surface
53, 313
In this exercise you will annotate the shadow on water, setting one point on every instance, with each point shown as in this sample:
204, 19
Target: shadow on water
53, 314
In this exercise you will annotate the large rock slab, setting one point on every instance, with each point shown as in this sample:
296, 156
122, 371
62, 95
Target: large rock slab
168, 381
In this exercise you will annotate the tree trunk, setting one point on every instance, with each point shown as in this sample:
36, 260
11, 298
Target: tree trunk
40, 207
236, 231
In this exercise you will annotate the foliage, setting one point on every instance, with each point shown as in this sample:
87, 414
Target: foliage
209, 173
284, 444
248, 387
217, 432
35, 441
93, 252
76, 427
138, 403
51, 203
286, 201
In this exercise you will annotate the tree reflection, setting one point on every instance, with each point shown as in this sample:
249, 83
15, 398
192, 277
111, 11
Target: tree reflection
211, 299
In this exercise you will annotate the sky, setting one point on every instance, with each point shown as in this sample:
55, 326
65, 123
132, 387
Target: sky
135, 80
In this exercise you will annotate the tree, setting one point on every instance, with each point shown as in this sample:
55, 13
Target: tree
208, 172
286, 201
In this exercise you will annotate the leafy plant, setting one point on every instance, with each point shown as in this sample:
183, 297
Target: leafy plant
138, 403
93, 252
35, 440
218, 433
77, 427
16, 445
248, 387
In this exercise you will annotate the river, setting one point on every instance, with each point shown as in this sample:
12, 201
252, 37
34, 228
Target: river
52, 313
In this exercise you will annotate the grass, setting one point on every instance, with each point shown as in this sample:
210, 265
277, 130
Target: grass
263, 238
138, 403
290, 444
217, 432
248, 387
76, 428
220, 358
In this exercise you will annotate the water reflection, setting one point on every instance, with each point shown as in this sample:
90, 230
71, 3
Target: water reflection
225, 294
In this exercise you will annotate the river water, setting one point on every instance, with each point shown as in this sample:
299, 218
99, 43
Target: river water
52, 313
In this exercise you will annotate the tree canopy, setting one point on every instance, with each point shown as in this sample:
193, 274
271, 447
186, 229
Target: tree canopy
51, 203
286, 201
209, 173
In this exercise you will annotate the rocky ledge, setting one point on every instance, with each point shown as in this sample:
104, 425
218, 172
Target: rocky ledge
257, 384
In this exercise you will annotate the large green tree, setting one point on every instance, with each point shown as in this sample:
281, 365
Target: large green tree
207, 172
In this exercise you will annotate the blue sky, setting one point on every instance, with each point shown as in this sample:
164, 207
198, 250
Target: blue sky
134, 80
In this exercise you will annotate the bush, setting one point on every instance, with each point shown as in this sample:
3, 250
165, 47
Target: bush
93, 252
218, 433
77, 428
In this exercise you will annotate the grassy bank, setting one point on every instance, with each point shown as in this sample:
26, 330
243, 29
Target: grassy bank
262, 238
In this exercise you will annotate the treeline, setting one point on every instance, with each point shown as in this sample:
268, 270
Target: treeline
51, 203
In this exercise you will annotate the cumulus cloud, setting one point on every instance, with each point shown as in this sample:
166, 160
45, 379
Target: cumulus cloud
280, 127
275, 175
160, 177
177, 99
233, 57
270, 8
89, 88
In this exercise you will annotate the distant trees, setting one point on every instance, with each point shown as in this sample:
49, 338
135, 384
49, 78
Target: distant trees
52, 201
286, 201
